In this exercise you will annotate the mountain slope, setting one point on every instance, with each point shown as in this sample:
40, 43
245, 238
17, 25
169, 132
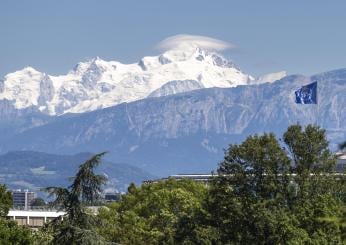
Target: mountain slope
176, 87
13, 121
96, 83
188, 131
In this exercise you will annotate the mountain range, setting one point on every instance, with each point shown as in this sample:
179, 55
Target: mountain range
96, 84
168, 114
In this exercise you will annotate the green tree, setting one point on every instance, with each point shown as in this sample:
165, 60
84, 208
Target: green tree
308, 148
152, 213
11, 233
38, 202
248, 199
269, 194
78, 224
320, 197
5, 201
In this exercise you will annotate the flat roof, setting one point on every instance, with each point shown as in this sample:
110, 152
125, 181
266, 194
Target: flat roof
35, 213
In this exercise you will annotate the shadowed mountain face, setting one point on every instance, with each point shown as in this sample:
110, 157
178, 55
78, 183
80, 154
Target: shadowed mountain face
14, 121
35, 170
187, 132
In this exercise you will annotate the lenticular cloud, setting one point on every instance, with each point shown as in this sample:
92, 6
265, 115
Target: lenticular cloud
187, 41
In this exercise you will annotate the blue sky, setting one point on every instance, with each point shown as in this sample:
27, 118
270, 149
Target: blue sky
52, 36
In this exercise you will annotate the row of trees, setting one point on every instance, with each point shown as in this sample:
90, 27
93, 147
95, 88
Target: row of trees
265, 191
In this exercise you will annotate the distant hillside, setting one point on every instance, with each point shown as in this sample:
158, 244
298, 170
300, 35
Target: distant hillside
34, 170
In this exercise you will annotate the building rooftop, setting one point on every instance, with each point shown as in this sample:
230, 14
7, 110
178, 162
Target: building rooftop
35, 213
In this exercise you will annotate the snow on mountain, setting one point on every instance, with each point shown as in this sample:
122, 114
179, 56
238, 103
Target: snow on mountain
175, 87
97, 83
271, 77
23, 87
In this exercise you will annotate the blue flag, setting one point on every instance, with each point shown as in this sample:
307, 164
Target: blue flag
307, 94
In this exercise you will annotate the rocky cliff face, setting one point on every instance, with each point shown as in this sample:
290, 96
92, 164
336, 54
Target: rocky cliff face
14, 121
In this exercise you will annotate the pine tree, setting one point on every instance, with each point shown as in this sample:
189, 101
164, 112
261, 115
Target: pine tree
77, 226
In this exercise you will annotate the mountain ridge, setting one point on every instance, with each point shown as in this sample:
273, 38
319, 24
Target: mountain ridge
96, 83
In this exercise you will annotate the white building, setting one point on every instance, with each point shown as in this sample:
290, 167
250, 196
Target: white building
34, 218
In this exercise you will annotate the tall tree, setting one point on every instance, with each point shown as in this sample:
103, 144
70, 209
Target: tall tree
320, 201
308, 148
311, 158
258, 167
267, 193
247, 201
78, 224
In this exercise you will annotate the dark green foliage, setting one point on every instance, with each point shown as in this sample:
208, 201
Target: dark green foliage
321, 195
5, 201
38, 202
258, 168
267, 195
248, 201
11, 233
153, 213
78, 224
86, 184
309, 149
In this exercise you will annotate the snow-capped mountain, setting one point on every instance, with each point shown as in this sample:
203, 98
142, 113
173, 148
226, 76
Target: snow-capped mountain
97, 83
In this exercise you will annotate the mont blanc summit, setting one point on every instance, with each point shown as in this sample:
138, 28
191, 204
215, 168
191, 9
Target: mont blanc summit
96, 83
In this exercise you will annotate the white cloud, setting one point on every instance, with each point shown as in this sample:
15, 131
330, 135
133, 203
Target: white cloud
186, 41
